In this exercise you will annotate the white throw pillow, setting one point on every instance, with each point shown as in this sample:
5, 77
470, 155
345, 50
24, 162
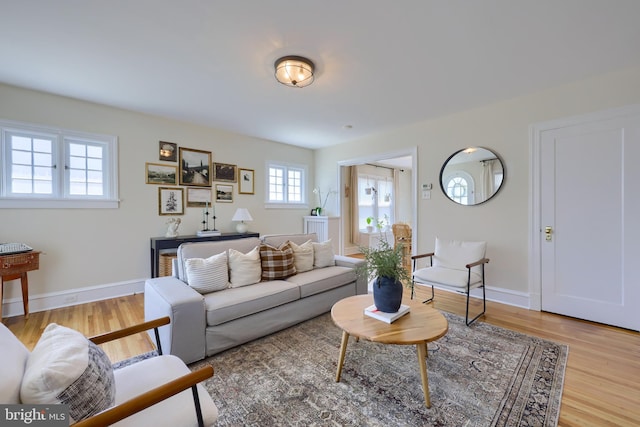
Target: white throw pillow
66, 368
244, 269
208, 275
302, 256
323, 254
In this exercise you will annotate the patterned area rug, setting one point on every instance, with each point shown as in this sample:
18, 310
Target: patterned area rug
478, 376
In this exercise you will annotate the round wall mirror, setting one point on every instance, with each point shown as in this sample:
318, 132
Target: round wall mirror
472, 176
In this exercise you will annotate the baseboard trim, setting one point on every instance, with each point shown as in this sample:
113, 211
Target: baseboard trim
49, 301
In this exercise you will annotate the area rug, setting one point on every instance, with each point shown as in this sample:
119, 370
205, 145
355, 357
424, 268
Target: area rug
478, 376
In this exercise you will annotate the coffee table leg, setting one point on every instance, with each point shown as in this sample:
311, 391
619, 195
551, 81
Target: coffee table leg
343, 350
422, 363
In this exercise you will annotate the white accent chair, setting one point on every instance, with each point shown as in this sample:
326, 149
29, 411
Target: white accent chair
154, 391
455, 266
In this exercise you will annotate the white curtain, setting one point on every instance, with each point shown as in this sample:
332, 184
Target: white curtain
487, 179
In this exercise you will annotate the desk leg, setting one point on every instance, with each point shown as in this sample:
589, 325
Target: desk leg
25, 293
343, 350
422, 363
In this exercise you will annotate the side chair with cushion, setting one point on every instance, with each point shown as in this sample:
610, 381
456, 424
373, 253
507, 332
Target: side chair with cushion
67, 368
454, 265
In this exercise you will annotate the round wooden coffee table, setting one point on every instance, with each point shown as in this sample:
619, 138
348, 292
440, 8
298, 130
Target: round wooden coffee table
421, 325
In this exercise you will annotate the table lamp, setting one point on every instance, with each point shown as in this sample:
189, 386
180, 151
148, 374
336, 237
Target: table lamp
242, 215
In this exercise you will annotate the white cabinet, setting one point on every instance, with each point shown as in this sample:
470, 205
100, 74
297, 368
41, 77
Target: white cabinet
372, 239
326, 227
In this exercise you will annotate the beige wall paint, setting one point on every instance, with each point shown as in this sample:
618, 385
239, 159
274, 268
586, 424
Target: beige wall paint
95, 247
503, 127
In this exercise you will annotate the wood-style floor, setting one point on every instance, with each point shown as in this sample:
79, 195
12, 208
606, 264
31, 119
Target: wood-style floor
602, 381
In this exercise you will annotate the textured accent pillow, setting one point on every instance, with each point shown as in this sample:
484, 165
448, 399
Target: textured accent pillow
302, 256
244, 269
208, 275
66, 368
277, 263
323, 254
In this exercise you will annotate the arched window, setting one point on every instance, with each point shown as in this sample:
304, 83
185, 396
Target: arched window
459, 188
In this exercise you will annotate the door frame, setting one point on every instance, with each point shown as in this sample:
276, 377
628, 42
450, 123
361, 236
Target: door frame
535, 191
372, 158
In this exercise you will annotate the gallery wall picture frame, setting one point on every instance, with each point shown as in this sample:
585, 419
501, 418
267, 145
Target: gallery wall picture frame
198, 197
156, 173
246, 184
168, 151
170, 201
195, 167
224, 172
224, 193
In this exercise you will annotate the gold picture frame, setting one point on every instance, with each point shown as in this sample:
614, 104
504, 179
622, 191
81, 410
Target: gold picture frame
198, 197
224, 172
156, 173
246, 181
195, 167
224, 193
170, 201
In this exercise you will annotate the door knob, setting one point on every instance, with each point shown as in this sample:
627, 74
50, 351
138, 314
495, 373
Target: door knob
547, 232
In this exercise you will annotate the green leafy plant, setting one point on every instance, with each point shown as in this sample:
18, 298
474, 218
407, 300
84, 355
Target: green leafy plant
369, 220
384, 261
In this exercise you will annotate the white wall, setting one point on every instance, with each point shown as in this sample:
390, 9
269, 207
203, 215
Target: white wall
102, 247
504, 128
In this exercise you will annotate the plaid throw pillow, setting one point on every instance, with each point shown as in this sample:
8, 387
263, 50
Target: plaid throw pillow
277, 263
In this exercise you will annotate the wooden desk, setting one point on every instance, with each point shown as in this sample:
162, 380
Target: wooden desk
14, 267
420, 326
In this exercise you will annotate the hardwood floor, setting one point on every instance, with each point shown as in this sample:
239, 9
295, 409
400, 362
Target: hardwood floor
602, 381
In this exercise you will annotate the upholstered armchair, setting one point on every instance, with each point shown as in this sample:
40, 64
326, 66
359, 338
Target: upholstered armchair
455, 266
67, 368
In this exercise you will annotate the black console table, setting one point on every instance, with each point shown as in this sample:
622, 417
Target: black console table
159, 244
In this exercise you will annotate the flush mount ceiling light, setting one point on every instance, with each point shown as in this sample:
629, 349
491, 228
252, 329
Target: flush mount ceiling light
294, 71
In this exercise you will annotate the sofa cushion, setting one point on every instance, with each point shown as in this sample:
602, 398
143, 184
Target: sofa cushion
457, 254
277, 263
276, 240
14, 362
322, 279
234, 303
302, 256
208, 275
244, 269
66, 368
206, 249
323, 255
446, 276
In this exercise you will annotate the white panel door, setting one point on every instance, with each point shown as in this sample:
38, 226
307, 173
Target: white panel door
590, 199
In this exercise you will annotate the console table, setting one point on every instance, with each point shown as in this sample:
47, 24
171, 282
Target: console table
15, 266
160, 244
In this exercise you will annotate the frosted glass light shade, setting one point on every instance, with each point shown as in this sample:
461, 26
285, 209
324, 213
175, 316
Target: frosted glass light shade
294, 71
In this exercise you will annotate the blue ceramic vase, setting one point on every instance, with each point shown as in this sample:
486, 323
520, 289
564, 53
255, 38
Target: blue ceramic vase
387, 294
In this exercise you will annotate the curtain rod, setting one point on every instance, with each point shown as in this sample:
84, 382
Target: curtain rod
379, 166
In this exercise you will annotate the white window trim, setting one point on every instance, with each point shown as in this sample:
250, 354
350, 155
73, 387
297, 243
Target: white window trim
34, 202
286, 205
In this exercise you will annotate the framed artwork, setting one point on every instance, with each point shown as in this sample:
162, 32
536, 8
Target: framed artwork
198, 197
161, 174
168, 151
224, 172
170, 201
245, 181
195, 167
224, 193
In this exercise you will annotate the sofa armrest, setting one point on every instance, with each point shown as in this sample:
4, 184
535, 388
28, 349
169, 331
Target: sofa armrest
185, 335
345, 261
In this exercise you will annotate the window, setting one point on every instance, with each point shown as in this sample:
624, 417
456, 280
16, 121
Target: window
460, 188
48, 167
286, 184
375, 199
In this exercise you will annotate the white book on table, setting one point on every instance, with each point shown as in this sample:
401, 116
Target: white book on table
372, 311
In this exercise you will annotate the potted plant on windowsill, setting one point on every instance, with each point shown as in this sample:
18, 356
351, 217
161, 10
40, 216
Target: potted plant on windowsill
384, 264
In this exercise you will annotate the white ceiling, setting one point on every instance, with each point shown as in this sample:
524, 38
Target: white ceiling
380, 64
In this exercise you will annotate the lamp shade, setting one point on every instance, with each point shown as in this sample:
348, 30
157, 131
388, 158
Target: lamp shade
294, 71
242, 215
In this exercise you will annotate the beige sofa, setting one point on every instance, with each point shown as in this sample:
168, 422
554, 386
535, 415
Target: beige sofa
206, 324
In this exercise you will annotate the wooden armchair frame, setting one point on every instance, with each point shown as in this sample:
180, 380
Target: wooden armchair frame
153, 396
481, 262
